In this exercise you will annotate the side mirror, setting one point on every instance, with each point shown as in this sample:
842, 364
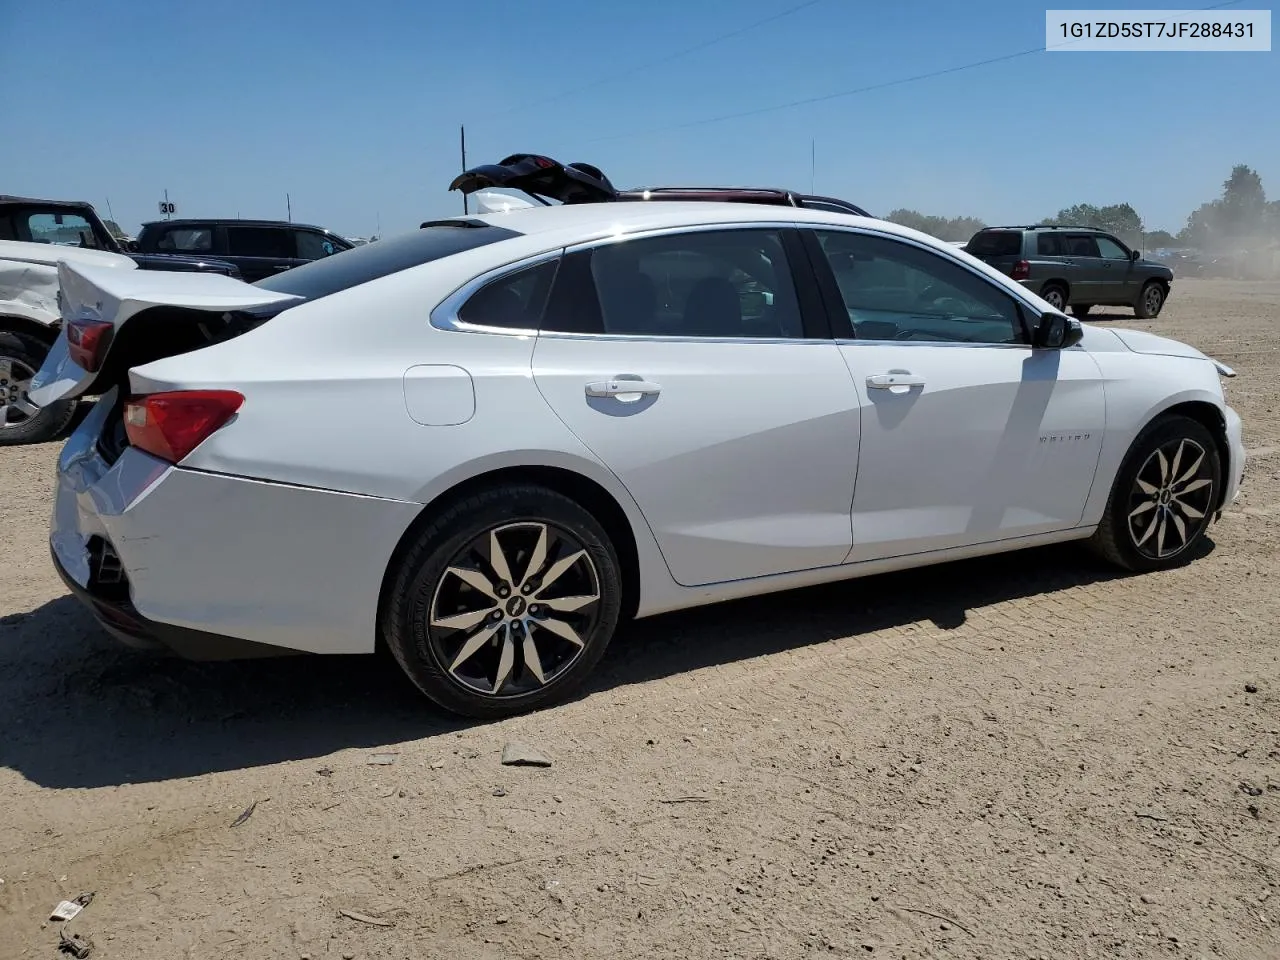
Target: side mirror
1135, 254
1057, 331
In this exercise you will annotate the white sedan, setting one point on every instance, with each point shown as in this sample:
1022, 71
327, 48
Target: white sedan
485, 442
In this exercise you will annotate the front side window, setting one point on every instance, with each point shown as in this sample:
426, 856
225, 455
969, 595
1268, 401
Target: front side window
1112, 250
313, 245
260, 242
66, 229
715, 283
897, 291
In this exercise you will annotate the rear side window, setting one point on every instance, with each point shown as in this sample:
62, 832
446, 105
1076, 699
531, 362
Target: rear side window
367, 262
313, 245
513, 302
995, 243
730, 284
1049, 244
186, 240
260, 242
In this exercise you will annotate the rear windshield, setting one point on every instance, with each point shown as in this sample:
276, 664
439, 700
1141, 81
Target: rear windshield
381, 258
995, 243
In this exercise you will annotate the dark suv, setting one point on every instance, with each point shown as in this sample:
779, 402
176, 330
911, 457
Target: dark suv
1078, 267
259, 248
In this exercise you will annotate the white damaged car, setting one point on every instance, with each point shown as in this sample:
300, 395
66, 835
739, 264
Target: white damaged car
485, 442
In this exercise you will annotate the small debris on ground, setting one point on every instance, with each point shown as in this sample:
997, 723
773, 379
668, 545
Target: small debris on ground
1250, 789
499, 792
519, 755
383, 759
248, 812
502, 918
70, 909
365, 918
74, 944
325, 772
1250, 688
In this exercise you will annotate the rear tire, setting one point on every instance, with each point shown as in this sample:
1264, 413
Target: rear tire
20, 420
1150, 301
1081, 309
505, 602
1163, 499
1055, 294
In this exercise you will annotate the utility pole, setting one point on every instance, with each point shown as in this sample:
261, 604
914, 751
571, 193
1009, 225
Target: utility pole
462, 140
167, 214
288, 203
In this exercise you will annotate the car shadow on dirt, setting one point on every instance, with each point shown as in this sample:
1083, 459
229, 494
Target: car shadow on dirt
79, 710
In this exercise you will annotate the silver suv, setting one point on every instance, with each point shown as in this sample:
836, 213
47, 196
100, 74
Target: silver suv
1075, 266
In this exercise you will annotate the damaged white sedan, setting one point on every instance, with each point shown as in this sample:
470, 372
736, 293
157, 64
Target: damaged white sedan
487, 441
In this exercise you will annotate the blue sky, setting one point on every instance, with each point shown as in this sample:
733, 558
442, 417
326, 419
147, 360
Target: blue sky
354, 108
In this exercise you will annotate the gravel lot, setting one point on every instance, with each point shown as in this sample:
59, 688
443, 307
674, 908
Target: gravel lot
1026, 756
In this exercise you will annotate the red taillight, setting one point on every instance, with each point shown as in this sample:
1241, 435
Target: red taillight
1021, 270
87, 342
171, 425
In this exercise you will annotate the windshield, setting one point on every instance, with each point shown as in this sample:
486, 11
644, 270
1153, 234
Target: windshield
54, 227
370, 261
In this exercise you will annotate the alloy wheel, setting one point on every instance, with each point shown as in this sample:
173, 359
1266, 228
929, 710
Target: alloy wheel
1055, 299
1153, 299
514, 609
1171, 498
15, 380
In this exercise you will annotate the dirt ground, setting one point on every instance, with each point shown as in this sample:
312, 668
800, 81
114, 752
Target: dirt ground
1025, 756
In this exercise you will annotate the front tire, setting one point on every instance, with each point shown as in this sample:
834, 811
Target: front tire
1081, 310
1150, 301
1163, 499
21, 421
505, 602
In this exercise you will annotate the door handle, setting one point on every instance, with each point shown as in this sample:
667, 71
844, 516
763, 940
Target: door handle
283, 266
623, 389
887, 381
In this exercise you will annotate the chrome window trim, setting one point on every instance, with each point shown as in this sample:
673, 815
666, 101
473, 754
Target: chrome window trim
445, 315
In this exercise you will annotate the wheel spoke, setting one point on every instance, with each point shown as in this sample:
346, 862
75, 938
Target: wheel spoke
474, 643
1192, 470
476, 580
1149, 489
559, 568
1177, 458
1163, 529
1179, 526
1146, 534
531, 659
561, 629
1186, 508
1164, 466
537, 558
1142, 508
498, 559
569, 604
25, 406
506, 661
1194, 485
6, 368
4, 414
463, 621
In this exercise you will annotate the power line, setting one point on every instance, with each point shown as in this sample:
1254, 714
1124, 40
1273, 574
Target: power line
857, 90
632, 71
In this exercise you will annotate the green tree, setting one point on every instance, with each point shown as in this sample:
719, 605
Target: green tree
1119, 219
944, 228
113, 228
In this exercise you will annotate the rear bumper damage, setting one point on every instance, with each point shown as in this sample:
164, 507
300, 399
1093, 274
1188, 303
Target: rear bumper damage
214, 566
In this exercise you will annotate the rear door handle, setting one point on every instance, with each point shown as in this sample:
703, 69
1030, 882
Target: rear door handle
887, 381
623, 389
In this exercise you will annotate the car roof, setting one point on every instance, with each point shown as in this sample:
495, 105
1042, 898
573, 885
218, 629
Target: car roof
69, 204
567, 224
232, 221
1048, 226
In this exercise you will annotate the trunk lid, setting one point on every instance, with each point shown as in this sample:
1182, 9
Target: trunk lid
120, 297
